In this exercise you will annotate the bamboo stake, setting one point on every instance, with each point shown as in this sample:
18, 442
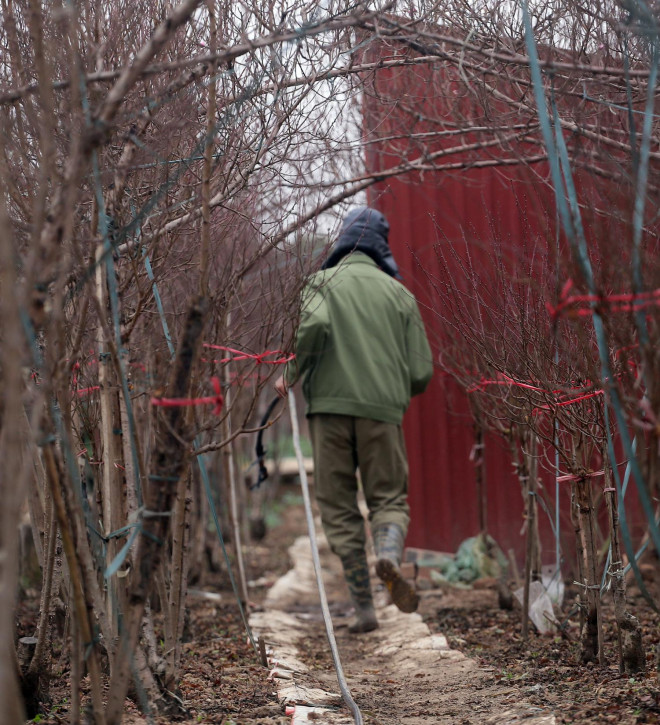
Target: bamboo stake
110, 422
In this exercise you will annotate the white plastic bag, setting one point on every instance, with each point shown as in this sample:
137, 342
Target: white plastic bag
553, 584
540, 605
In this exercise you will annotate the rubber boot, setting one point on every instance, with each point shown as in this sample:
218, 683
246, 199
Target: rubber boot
388, 543
356, 573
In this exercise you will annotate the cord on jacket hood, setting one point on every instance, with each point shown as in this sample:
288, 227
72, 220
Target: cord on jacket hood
364, 230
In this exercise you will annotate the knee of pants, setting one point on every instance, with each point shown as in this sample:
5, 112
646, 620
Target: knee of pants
344, 541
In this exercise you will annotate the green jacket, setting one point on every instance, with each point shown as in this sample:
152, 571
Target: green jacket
361, 347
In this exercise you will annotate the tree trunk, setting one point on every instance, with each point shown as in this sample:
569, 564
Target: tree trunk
71, 542
632, 657
111, 479
236, 511
76, 673
234, 508
131, 475
11, 453
37, 675
579, 552
168, 464
528, 483
533, 467
153, 659
591, 640
526, 465
198, 530
37, 495
178, 579
478, 457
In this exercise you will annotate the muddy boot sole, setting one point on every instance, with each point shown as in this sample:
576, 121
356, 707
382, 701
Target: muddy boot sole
404, 596
362, 623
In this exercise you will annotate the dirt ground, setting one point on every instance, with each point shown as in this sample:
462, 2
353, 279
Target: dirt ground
401, 673
486, 674
546, 670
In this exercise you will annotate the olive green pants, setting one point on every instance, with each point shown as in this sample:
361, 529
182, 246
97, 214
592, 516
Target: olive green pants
341, 445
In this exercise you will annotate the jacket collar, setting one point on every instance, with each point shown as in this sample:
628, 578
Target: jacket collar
357, 257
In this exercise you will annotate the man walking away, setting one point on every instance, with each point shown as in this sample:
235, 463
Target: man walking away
361, 353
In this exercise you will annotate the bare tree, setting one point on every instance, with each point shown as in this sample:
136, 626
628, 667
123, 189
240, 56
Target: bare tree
163, 172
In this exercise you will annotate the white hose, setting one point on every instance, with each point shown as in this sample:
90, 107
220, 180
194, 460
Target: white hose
348, 699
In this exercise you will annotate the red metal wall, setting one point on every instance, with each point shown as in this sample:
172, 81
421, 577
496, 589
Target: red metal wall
438, 426
459, 212
425, 215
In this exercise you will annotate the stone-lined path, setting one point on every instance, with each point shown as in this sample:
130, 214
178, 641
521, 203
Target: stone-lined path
400, 674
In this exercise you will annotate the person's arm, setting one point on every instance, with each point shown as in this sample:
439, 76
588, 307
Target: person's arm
311, 337
420, 359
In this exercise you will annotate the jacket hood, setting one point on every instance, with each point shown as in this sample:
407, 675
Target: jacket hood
364, 230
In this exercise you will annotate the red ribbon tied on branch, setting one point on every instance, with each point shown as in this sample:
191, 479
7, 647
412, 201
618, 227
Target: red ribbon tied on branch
261, 357
216, 399
574, 477
621, 302
505, 380
559, 399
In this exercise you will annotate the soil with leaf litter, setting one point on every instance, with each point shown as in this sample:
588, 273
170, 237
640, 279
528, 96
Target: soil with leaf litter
546, 669
223, 682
